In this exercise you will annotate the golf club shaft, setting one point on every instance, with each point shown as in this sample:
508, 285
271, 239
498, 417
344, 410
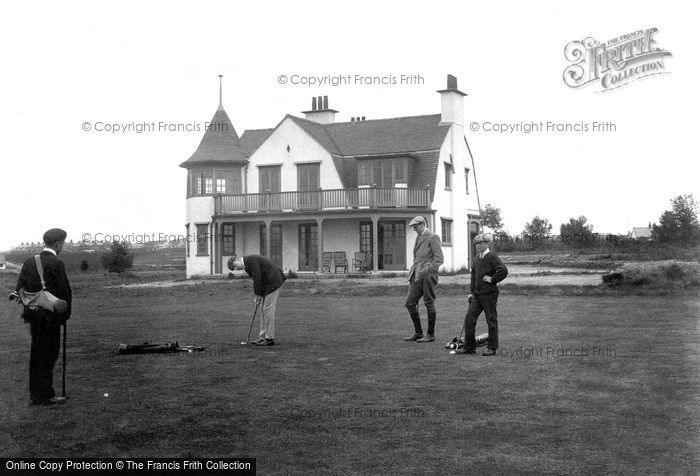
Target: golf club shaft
252, 321
63, 378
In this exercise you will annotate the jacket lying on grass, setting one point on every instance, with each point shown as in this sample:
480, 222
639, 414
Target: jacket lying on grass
490, 265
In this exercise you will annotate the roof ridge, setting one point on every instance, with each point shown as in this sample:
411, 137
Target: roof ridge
383, 119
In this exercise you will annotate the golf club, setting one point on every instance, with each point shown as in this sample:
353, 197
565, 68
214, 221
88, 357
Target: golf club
464, 325
257, 304
63, 378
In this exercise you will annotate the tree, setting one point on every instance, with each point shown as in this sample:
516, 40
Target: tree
537, 230
577, 232
680, 224
491, 218
118, 259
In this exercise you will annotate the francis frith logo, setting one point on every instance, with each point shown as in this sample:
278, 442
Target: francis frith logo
614, 63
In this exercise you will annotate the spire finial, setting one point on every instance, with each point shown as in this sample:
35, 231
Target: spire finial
221, 103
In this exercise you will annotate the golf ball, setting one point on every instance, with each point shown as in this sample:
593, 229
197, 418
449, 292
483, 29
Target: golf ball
106, 394
452, 352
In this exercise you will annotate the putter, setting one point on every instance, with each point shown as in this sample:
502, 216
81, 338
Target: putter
251, 323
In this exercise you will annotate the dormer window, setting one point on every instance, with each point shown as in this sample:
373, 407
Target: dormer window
382, 173
204, 181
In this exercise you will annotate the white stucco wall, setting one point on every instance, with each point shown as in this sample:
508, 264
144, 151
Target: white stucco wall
455, 204
302, 149
199, 211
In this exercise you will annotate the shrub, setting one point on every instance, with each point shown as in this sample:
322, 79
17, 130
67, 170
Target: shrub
118, 259
84, 265
669, 273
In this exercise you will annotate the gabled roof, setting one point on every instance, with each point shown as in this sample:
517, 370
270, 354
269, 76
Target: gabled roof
220, 143
388, 136
253, 138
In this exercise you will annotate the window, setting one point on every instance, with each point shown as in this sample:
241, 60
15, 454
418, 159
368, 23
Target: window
187, 239
308, 177
384, 173
263, 240
276, 244
466, 179
448, 176
366, 241
446, 231
228, 239
202, 240
269, 179
208, 185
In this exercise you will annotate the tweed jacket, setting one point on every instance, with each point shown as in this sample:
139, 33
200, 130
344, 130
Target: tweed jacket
427, 256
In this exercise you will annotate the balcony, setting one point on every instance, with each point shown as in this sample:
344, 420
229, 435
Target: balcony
343, 198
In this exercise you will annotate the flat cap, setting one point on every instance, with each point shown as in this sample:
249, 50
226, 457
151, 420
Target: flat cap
483, 237
54, 235
417, 221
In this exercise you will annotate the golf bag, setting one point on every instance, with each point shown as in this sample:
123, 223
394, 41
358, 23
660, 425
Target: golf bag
147, 348
458, 342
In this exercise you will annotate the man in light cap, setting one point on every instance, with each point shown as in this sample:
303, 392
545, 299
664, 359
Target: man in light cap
45, 325
267, 281
487, 271
423, 279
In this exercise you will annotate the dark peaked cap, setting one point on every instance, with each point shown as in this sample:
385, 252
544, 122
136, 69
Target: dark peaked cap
54, 235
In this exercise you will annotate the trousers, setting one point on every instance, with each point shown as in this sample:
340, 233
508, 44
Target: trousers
267, 318
487, 304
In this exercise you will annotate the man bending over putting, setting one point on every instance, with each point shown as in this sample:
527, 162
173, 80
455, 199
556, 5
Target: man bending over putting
267, 281
487, 271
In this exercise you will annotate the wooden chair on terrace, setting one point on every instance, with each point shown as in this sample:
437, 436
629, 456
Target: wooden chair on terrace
327, 257
359, 262
340, 261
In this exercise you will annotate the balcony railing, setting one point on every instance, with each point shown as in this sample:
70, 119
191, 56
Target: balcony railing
323, 200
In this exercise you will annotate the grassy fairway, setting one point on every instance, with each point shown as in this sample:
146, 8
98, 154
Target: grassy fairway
608, 384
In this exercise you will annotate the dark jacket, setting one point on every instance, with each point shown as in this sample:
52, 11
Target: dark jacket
489, 265
54, 277
267, 276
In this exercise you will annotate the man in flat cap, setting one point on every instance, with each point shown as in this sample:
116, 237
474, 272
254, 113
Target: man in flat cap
423, 279
267, 281
487, 271
45, 325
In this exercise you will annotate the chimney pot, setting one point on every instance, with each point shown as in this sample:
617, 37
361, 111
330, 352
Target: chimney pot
313, 103
325, 102
319, 103
451, 82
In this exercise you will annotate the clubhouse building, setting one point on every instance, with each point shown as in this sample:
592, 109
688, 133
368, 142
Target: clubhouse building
312, 191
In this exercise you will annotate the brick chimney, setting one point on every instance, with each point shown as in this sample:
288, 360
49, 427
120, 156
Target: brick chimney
452, 102
320, 112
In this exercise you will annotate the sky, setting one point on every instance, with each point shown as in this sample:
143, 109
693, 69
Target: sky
68, 64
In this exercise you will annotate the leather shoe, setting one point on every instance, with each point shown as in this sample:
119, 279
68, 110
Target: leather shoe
427, 338
464, 351
51, 401
264, 342
488, 351
415, 336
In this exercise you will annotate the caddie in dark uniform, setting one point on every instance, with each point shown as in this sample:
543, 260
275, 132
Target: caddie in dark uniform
45, 325
487, 271
267, 281
423, 279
